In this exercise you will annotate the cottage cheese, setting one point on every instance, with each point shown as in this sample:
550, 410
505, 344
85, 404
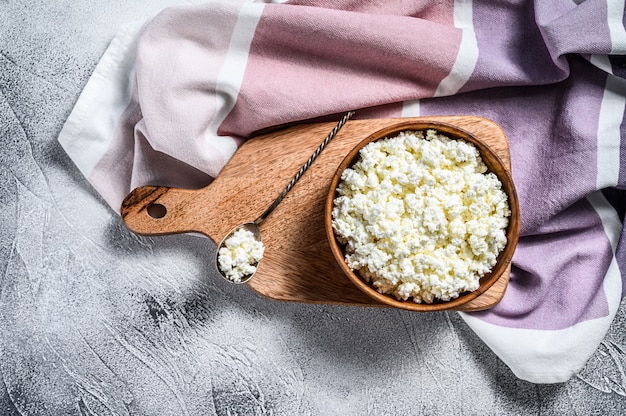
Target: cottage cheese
240, 255
420, 216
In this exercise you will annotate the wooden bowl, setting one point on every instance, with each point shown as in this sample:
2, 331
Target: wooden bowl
494, 164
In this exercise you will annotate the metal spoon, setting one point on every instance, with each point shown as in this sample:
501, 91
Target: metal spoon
253, 226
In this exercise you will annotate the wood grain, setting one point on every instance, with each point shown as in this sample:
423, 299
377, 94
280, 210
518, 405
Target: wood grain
298, 264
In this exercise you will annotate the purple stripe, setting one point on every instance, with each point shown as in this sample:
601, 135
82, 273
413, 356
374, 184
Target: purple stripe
558, 274
570, 28
512, 48
563, 252
521, 43
552, 133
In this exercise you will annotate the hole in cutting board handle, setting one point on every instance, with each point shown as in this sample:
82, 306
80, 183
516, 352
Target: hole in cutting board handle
156, 210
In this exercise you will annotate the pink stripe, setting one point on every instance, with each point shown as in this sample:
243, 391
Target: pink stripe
435, 11
307, 61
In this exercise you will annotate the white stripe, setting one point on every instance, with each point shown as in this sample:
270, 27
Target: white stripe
615, 16
89, 129
464, 63
602, 62
411, 108
231, 74
554, 356
608, 143
542, 356
610, 220
612, 284
613, 102
617, 34
468, 51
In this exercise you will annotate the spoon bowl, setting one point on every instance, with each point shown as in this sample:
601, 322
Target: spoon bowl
251, 227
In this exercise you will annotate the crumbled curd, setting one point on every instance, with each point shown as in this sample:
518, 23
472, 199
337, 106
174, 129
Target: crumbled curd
420, 216
240, 255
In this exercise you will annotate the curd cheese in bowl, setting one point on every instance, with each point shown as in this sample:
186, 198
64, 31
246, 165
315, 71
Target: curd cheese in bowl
422, 216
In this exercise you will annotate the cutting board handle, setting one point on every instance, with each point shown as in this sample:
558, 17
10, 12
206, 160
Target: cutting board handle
161, 210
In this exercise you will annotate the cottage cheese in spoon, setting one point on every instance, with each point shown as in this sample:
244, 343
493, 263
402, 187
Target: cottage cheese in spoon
239, 256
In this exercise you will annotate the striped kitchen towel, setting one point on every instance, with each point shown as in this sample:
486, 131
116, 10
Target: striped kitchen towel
173, 98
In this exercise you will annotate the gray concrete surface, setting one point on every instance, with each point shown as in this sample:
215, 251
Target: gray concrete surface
97, 321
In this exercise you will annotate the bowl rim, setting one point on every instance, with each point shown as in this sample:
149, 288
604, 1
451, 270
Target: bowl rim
504, 175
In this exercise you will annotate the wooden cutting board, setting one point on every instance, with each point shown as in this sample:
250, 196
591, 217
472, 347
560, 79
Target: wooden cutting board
298, 264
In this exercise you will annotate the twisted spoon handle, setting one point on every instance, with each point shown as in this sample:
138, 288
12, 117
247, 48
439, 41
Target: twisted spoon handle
304, 167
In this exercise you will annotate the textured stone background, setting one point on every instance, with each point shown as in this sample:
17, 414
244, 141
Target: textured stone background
95, 320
